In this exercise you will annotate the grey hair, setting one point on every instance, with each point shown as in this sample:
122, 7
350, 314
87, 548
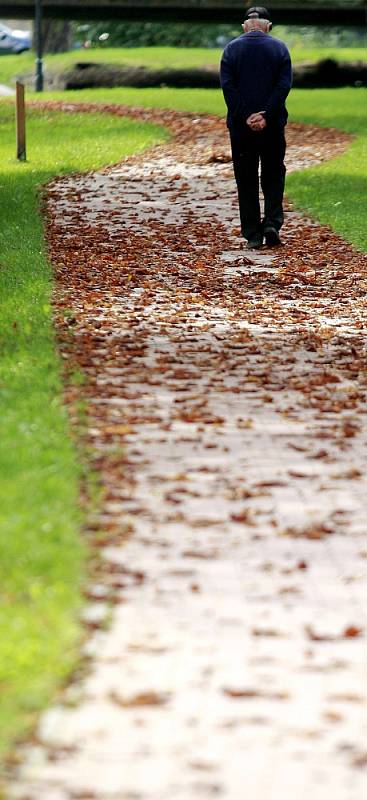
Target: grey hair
256, 24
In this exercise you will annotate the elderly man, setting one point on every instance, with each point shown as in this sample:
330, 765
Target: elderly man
256, 77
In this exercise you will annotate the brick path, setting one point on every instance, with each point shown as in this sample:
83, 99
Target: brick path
226, 419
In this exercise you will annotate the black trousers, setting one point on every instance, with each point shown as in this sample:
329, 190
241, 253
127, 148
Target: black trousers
249, 149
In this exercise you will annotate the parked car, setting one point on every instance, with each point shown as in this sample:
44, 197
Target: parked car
13, 41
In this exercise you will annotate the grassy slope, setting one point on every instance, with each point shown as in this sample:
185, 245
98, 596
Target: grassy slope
41, 555
158, 57
335, 193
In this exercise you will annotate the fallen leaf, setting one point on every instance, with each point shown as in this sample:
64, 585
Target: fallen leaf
148, 698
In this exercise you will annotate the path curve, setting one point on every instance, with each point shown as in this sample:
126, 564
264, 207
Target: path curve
226, 399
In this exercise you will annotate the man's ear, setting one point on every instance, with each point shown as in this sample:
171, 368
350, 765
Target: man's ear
270, 26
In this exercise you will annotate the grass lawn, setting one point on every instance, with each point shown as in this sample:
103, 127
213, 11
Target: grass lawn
157, 57
335, 193
42, 556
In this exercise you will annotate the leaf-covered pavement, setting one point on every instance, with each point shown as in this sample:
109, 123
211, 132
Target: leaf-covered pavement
226, 404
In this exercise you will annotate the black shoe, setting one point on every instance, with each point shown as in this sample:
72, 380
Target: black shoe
255, 243
272, 238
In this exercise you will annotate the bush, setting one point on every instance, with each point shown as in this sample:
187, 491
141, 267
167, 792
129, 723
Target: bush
147, 34
180, 34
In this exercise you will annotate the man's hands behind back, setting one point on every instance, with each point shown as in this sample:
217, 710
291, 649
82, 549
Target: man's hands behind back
256, 122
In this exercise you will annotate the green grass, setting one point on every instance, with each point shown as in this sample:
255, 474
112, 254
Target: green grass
300, 54
197, 101
336, 192
157, 57
150, 56
42, 556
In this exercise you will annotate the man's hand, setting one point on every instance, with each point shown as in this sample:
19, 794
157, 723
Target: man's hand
256, 122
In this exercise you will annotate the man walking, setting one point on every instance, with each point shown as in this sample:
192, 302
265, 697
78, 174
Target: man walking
256, 77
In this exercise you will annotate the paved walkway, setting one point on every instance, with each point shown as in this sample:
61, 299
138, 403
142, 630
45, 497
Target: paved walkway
227, 405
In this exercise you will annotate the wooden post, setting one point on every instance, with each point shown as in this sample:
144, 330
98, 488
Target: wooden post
21, 143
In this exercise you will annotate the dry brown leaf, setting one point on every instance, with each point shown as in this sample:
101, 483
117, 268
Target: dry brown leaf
148, 698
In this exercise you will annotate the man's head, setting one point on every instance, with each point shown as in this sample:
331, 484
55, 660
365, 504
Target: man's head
257, 19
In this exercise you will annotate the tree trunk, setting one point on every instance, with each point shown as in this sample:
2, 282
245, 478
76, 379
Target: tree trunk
57, 35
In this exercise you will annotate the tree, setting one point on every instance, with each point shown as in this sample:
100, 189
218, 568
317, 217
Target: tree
58, 35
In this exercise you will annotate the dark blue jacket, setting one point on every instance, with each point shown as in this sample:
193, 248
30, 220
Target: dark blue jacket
256, 75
